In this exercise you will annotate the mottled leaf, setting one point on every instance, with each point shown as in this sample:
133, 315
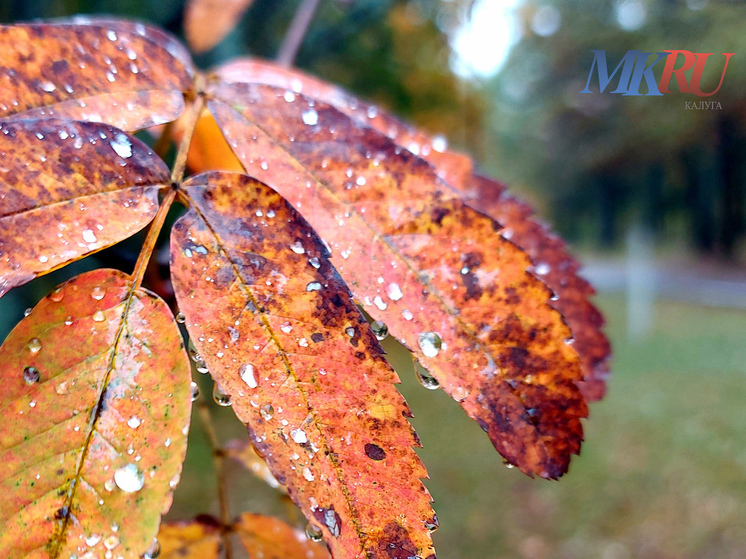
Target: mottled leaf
559, 270
244, 453
281, 335
207, 22
433, 269
270, 538
543, 247
68, 189
95, 406
189, 540
124, 74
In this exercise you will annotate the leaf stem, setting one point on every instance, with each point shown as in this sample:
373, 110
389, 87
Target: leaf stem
149, 245
195, 110
219, 457
296, 32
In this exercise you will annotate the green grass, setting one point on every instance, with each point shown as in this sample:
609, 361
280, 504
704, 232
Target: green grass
662, 473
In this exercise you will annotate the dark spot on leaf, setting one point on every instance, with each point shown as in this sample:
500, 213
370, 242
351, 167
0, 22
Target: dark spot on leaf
374, 452
60, 513
317, 337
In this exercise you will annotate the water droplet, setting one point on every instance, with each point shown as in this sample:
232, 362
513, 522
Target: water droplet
57, 295
542, 269
380, 303
109, 485
31, 375
350, 331
220, 397
43, 259
394, 292
27, 312
92, 540
97, 293
289, 96
379, 329
313, 286
247, 375
440, 144
68, 321
297, 248
407, 314
180, 318
195, 391
154, 551
431, 524
425, 378
122, 146
134, 422
299, 436
34, 345
314, 533
111, 542
267, 411
310, 117
89, 236
129, 478
429, 343
508, 465
98, 316
308, 474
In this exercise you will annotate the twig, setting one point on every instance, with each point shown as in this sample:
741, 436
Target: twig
218, 455
296, 32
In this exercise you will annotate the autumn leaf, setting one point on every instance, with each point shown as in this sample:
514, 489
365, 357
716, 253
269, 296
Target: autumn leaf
125, 74
282, 337
189, 540
485, 195
270, 538
434, 270
222, 15
96, 405
69, 189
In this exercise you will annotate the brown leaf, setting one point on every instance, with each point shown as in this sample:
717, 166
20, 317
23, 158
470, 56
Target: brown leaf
69, 189
243, 452
559, 270
433, 269
120, 73
207, 22
189, 540
95, 406
270, 538
281, 335
481, 193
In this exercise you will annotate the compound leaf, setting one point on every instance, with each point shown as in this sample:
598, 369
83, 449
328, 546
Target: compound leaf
282, 337
69, 189
95, 405
121, 73
434, 270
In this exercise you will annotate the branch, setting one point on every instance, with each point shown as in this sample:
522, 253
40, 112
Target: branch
296, 32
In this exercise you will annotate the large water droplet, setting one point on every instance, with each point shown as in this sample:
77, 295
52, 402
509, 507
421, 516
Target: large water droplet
180, 318
429, 343
299, 436
379, 329
310, 117
195, 391
267, 411
97, 293
220, 397
394, 291
57, 295
34, 345
154, 551
247, 375
134, 422
98, 316
31, 375
314, 533
129, 478
425, 378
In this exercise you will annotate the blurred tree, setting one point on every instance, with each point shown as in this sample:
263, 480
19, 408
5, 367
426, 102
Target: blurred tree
606, 159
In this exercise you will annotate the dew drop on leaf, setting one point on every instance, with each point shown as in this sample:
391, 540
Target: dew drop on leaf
267, 411
394, 291
98, 316
429, 343
379, 329
220, 397
154, 551
425, 378
310, 117
195, 391
314, 533
180, 318
34, 345
122, 146
89, 236
27, 312
129, 478
97, 293
111, 542
31, 375
247, 375
134, 422
57, 295
299, 436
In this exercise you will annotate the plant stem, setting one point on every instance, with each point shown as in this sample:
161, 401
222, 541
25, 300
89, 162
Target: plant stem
219, 457
195, 110
149, 245
296, 32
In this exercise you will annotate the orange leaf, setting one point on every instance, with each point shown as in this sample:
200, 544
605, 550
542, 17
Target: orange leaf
189, 540
121, 73
207, 22
559, 270
243, 452
95, 406
270, 538
583, 318
69, 189
281, 335
433, 269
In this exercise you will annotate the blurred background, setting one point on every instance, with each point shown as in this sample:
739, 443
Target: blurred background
650, 193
